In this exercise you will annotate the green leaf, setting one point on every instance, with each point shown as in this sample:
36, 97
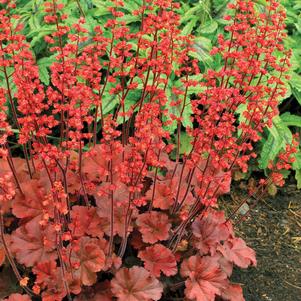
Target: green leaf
241, 118
44, 75
38, 35
43, 64
185, 143
295, 60
130, 19
209, 27
131, 6
261, 2
291, 120
219, 5
279, 136
101, 4
34, 23
187, 115
288, 92
298, 178
270, 149
133, 97
297, 164
202, 46
297, 95
91, 23
191, 12
280, 129
99, 11
191, 90
109, 102
198, 88
188, 28
295, 81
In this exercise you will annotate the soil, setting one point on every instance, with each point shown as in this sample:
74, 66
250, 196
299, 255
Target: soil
273, 230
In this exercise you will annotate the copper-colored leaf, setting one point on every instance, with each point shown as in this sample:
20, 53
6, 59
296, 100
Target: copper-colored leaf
2, 254
233, 292
45, 272
32, 243
31, 202
120, 200
88, 258
236, 251
85, 221
49, 278
136, 284
209, 230
164, 194
159, 259
205, 278
154, 226
18, 297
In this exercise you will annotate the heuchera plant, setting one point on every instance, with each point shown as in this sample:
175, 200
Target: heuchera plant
102, 203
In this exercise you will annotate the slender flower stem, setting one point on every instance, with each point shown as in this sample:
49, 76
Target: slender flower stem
10, 258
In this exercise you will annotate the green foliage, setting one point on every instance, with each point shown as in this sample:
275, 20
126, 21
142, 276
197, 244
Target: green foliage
274, 139
204, 19
288, 121
278, 136
291, 120
44, 64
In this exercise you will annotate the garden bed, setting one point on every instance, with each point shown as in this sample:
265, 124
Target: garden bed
273, 230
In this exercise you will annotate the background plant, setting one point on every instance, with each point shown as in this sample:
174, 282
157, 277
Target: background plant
203, 19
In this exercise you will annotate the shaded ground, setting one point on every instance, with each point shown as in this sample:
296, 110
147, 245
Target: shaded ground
274, 231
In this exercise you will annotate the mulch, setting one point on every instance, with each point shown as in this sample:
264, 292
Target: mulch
273, 230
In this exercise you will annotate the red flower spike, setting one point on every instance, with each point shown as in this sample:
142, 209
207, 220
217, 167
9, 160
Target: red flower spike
157, 259
219, 183
136, 284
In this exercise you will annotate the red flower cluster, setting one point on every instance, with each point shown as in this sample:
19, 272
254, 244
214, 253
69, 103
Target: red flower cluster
97, 195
